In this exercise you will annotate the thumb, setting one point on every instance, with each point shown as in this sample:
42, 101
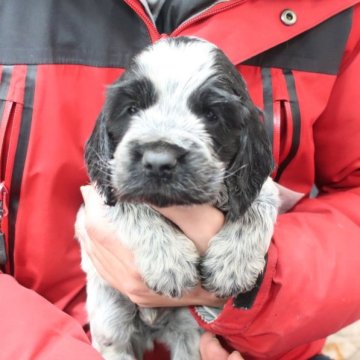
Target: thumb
211, 349
235, 355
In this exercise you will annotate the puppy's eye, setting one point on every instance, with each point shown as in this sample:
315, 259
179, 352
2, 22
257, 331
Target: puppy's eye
132, 109
211, 117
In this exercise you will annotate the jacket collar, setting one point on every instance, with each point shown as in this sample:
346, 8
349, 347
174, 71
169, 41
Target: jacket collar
256, 25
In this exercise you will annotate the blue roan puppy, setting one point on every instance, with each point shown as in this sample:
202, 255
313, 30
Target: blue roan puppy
177, 128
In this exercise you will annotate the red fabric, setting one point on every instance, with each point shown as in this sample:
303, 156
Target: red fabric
310, 287
33, 328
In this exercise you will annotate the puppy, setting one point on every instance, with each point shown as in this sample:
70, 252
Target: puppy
177, 128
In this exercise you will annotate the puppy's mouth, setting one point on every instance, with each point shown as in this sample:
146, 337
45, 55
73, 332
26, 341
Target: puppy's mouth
161, 200
166, 176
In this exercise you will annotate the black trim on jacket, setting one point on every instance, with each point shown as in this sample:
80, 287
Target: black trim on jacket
20, 157
296, 119
268, 103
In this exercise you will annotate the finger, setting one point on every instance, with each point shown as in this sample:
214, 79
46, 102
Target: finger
235, 356
200, 297
288, 198
211, 349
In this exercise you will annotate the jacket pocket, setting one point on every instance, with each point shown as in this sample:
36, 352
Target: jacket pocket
282, 116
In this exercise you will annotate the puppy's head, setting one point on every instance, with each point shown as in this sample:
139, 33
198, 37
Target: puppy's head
179, 128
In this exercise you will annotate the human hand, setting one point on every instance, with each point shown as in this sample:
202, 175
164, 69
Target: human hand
288, 198
211, 349
198, 222
115, 263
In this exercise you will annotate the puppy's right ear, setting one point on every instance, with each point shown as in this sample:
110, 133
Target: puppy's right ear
98, 153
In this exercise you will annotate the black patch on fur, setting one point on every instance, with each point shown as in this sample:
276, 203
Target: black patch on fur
239, 136
98, 151
125, 98
129, 95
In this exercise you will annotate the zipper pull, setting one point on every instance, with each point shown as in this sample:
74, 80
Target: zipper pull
3, 212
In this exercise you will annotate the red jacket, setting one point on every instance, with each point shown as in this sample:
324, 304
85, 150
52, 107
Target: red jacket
57, 58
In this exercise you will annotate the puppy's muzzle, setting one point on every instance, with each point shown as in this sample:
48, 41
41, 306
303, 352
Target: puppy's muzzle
160, 160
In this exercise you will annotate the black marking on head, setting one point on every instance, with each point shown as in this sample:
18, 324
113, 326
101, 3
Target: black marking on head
239, 137
98, 152
129, 95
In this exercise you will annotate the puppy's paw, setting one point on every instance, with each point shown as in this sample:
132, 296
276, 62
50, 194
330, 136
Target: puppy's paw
171, 278
226, 281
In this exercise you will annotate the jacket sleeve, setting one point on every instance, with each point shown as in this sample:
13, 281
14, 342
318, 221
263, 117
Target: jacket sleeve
33, 328
311, 286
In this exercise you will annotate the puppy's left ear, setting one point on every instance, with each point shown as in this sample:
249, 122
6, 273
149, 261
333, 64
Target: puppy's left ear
98, 152
250, 167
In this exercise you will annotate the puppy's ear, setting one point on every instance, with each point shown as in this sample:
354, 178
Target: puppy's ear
250, 167
98, 152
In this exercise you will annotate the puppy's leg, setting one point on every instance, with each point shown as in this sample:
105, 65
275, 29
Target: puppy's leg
182, 336
166, 259
112, 321
111, 315
236, 255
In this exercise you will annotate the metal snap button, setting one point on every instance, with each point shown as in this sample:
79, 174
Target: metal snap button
288, 17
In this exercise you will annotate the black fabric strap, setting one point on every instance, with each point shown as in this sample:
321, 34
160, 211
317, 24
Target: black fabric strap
296, 119
268, 103
20, 157
246, 300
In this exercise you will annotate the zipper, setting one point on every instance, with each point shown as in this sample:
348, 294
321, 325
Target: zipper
217, 8
153, 32
138, 9
278, 106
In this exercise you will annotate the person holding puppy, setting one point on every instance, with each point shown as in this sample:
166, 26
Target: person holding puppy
300, 61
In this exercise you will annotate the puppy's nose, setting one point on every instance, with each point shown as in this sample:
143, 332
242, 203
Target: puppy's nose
159, 161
